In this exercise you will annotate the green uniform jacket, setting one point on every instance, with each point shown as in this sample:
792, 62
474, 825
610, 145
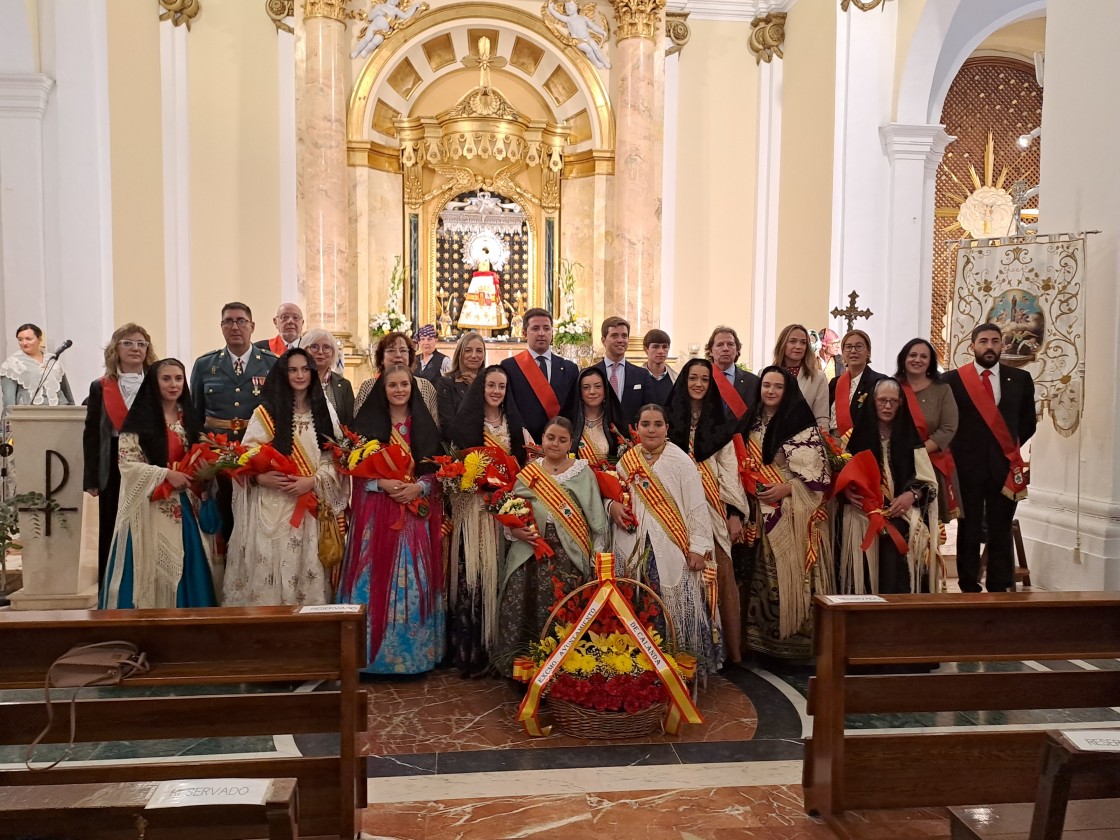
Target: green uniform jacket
217, 392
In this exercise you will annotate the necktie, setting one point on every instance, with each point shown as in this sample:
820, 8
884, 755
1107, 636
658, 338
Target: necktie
614, 379
542, 363
986, 378
239, 367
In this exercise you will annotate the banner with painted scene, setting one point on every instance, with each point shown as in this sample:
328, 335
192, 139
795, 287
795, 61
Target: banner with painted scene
1033, 287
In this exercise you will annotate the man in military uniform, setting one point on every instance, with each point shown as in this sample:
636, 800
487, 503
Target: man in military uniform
226, 387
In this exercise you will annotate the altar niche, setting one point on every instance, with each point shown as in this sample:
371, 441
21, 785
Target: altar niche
482, 233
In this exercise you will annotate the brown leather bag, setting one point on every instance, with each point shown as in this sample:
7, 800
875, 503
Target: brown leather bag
103, 663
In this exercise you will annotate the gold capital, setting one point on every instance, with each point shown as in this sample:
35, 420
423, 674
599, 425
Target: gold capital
768, 33
638, 19
333, 9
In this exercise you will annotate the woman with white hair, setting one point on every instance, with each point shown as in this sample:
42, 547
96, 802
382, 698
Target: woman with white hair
339, 392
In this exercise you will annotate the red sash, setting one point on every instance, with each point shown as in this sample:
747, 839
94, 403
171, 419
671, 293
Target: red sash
942, 459
1015, 485
543, 391
729, 394
175, 448
276, 345
844, 406
113, 401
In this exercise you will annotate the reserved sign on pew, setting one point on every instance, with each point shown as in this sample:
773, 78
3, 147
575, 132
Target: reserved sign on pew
193, 792
1094, 740
854, 599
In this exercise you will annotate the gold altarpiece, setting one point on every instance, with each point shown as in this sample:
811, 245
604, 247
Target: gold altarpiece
482, 143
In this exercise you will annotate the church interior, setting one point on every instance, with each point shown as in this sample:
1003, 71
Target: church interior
683, 164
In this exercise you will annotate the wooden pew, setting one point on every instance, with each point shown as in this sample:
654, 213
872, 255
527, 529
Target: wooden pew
204, 647
962, 767
108, 812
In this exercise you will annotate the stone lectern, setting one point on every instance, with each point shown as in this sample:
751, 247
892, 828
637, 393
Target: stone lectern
48, 456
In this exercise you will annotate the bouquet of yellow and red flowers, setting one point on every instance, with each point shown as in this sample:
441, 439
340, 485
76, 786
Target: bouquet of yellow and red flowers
838, 455
514, 512
194, 463
478, 469
370, 460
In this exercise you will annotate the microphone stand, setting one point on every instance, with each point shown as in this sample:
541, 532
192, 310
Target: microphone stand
43, 378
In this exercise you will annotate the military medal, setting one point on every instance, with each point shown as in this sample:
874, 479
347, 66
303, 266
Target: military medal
257, 382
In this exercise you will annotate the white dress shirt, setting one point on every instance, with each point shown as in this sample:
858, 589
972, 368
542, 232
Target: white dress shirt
547, 356
995, 377
620, 365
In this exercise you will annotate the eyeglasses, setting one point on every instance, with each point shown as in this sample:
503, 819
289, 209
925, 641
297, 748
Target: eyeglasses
235, 322
319, 348
128, 344
290, 318
854, 347
886, 402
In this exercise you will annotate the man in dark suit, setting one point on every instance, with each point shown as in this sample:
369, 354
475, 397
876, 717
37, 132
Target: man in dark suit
723, 349
543, 384
632, 384
994, 402
857, 378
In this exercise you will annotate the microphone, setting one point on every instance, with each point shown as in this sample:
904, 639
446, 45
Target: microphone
62, 348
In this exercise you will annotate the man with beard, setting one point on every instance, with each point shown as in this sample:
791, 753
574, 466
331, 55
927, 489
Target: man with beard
997, 416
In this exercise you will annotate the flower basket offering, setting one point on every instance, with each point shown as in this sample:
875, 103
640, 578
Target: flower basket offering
478, 469
603, 670
514, 512
196, 460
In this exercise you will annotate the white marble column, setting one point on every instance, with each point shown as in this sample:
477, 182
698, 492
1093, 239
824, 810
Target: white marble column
1079, 188
635, 245
23, 102
914, 152
321, 176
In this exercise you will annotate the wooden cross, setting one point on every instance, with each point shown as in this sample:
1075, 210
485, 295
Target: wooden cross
852, 313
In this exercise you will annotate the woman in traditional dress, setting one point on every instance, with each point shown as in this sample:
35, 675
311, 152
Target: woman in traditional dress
568, 512
393, 562
697, 426
467, 360
22, 371
336, 387
159, 557
671, 549
396, 348
272, 561
788, 522
488, 417
791, 351
597, 419
908, 492
128, 356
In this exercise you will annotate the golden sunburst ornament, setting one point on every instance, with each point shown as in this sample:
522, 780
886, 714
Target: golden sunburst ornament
987, 210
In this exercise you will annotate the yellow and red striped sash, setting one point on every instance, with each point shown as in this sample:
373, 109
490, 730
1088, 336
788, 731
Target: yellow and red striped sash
488, 439
565, 512
766, 473
655, 497
711, 485
299, 455
588, 452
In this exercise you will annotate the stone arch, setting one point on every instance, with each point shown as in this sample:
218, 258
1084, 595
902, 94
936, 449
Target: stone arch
397, 75
947, 34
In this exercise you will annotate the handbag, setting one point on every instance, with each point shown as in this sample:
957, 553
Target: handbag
331, 543
102, 663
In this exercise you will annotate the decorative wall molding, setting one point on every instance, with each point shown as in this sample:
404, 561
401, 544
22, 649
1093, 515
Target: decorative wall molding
677, 31
915, 142
278, 12
742, 11
768, 33
24, 95
180, 12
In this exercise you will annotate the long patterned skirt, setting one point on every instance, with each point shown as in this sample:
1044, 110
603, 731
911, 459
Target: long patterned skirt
763, 609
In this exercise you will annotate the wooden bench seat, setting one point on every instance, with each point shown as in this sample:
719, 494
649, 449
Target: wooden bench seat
1088, 819
194, 649
967, 766
112, 811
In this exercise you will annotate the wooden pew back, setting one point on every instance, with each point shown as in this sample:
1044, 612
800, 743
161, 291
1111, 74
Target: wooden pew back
204, 647
965, 767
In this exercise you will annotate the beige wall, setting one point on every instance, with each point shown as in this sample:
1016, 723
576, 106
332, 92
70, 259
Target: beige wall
234, 169
716, 179
805, 203
136, 160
